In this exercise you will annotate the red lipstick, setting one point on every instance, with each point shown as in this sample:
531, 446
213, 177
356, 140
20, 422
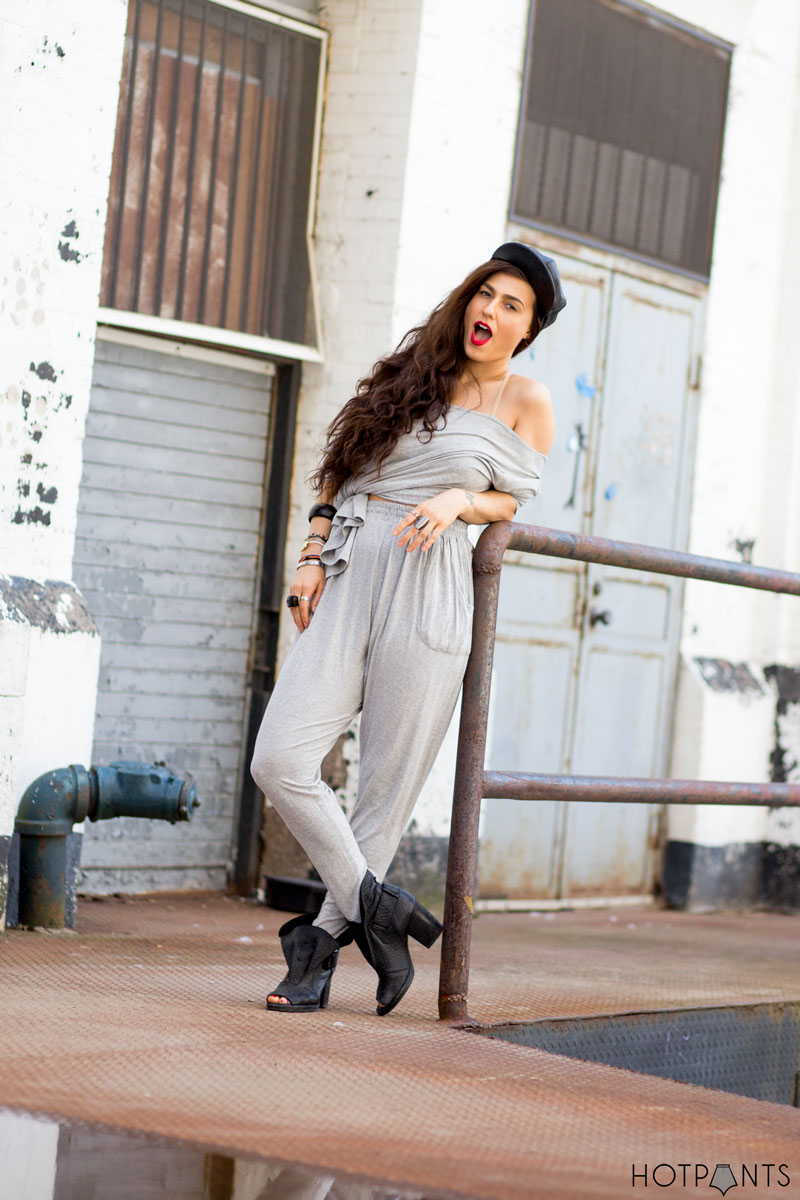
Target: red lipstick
481, 333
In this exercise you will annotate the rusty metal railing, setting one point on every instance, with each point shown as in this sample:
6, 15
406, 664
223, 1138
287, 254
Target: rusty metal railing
473, 783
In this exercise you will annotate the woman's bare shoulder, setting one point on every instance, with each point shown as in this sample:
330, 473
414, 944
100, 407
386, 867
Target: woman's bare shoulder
535, 420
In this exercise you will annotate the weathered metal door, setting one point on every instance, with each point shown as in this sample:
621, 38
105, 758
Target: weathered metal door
585, 656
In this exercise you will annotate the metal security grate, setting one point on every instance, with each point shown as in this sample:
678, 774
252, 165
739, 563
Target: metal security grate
621, 131
211, 174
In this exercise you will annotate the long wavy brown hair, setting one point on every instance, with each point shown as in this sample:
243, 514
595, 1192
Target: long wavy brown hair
415, 381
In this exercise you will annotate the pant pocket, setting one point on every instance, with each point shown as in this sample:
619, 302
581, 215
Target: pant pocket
444, 613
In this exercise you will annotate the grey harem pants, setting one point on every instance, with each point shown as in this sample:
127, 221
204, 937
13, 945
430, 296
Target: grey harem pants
390, 636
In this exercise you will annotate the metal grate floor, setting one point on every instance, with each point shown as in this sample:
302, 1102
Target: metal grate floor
150, 1017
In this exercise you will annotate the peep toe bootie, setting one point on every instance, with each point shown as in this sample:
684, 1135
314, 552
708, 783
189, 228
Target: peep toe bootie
389, 916
311, 955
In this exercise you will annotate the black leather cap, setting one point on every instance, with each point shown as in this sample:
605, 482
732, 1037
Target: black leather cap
541, 273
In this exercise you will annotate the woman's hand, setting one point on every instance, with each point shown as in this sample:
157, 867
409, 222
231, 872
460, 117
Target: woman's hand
308, 584
441, 511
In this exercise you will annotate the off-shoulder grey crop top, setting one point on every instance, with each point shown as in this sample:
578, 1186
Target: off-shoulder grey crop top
473, 450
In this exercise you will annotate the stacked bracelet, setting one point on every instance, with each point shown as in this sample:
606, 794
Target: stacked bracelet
322, 510
314, 559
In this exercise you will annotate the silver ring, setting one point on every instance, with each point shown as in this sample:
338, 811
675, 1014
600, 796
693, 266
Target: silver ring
421, 523
305, 598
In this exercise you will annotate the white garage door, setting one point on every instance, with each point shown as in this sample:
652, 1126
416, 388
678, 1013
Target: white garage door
167, 550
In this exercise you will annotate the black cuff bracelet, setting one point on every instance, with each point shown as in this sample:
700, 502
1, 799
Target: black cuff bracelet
322, 510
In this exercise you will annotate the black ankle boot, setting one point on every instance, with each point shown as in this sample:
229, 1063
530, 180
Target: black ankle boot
389, 915
311, 955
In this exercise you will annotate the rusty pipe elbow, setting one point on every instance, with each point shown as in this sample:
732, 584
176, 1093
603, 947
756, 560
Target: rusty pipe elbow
487, 557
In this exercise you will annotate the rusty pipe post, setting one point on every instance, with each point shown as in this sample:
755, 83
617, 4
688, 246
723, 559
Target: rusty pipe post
462, 859
49, 807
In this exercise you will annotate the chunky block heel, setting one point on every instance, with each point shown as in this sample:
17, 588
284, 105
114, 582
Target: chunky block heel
388, 916
423, 926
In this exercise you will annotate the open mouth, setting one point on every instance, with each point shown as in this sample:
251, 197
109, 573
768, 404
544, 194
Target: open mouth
480, 334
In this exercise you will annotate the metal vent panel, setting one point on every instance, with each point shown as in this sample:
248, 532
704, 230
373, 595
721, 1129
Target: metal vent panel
621, 131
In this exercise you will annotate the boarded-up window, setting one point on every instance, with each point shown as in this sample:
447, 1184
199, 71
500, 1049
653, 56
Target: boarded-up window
211, 174
621, 131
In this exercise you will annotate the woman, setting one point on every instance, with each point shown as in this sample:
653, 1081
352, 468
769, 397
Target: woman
439, 436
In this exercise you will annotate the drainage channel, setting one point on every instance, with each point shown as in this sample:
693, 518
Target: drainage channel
751, 1050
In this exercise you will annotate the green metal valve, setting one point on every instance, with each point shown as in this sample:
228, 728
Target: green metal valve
134, 789
57, 800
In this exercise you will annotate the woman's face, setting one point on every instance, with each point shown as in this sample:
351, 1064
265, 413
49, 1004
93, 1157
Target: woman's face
498, 317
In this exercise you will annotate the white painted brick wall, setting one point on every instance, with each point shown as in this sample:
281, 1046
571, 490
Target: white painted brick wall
747, 439
461, 152
724, 736
747, 476
59, 84
780, 510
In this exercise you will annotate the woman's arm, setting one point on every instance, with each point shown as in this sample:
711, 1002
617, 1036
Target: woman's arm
309, 579
321, 524
483, 507
476, 508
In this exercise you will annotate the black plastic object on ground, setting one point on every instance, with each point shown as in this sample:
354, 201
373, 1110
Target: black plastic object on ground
290, 894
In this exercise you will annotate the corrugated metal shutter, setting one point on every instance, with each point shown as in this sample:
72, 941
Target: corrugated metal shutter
166, 554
